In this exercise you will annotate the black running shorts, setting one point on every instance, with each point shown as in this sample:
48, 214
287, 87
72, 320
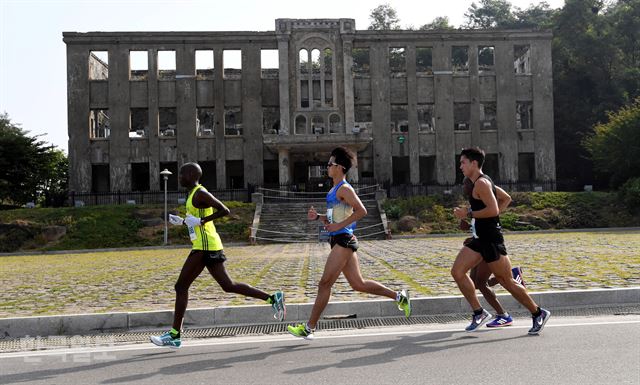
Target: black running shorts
490, 250
210, 256
348, 241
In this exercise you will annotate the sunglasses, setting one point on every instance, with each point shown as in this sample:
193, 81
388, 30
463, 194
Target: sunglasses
332, 164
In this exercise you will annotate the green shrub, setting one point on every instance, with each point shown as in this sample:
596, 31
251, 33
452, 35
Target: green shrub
392, 211
630, 194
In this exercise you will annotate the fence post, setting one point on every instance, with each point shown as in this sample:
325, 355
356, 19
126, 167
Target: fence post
73, 198
118, 196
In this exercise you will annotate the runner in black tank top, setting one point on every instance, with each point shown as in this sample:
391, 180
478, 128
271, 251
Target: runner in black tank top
480, 273
488, 245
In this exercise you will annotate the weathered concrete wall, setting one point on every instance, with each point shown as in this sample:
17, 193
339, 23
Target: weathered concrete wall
380, 89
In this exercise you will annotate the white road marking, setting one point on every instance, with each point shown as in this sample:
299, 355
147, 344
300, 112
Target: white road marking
279, 338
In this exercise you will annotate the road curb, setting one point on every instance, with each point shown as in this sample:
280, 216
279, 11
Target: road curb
76, 324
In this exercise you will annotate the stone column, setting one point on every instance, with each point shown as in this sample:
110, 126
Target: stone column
78, 118
474, 96
506, 114
381, 111
186, 105
443, 96
352, 174
119, 110
347, 60
283, 82
154, 141
252, 115
284, 166
218, 90
545, 156
412, 110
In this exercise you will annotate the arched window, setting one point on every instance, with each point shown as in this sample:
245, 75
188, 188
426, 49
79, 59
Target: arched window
303, 59
315, 61
317, 125
328, 76
335, 124
301, 124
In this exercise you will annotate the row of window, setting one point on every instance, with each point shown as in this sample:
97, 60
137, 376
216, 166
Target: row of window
166, 64
461, 117
428, 167
459, 58
310, 62
234, 171
140, 176
100, 125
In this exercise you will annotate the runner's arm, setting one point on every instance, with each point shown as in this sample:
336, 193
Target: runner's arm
483, 188
504, 199
203, 200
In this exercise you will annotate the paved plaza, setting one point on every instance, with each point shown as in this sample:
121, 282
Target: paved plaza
144, 279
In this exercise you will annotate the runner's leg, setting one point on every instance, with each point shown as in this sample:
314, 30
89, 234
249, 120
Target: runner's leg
465, 261
219, 273
191, 269
353, 275
336, 262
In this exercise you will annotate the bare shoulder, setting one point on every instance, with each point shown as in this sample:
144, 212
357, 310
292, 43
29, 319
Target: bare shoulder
483, 183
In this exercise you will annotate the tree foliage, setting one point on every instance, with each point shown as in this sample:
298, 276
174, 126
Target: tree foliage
439, 23
30, 169
383, 18
615, 145
596, 67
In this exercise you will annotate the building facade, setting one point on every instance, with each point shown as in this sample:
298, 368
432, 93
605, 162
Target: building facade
267, 107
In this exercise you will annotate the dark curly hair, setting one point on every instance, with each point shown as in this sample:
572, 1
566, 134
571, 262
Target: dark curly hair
343, 157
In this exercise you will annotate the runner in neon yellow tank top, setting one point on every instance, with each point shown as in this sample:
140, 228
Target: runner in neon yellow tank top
207, 251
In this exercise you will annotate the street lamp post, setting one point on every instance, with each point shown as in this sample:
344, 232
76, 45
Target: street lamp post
165, 175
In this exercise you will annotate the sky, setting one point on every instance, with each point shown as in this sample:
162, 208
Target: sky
33, 89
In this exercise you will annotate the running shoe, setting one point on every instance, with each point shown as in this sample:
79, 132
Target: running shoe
478, 320
500, 321
517, 276
301, 330
166, 340
539, 321
404, 302
278, 306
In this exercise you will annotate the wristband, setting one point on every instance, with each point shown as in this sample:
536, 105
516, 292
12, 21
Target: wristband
317, 217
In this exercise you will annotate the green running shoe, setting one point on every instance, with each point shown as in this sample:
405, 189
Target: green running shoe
301, 330
404, 302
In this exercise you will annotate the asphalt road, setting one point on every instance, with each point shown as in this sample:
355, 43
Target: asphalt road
571, 350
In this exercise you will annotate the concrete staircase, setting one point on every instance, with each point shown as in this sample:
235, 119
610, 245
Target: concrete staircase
285, 220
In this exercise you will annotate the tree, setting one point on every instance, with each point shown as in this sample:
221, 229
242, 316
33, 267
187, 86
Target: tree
439, 23
29, 168
501, 14
615, 146
490, 14
592, 75
384, 18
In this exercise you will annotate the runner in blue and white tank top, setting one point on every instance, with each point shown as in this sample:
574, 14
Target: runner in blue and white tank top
344, 209
338, 211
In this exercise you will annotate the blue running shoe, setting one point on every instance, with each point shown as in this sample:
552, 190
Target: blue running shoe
478, 320
517, 276
500, 321
539, 321
278, 306
166, 340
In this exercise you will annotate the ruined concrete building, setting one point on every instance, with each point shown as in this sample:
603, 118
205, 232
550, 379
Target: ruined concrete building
267, 107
